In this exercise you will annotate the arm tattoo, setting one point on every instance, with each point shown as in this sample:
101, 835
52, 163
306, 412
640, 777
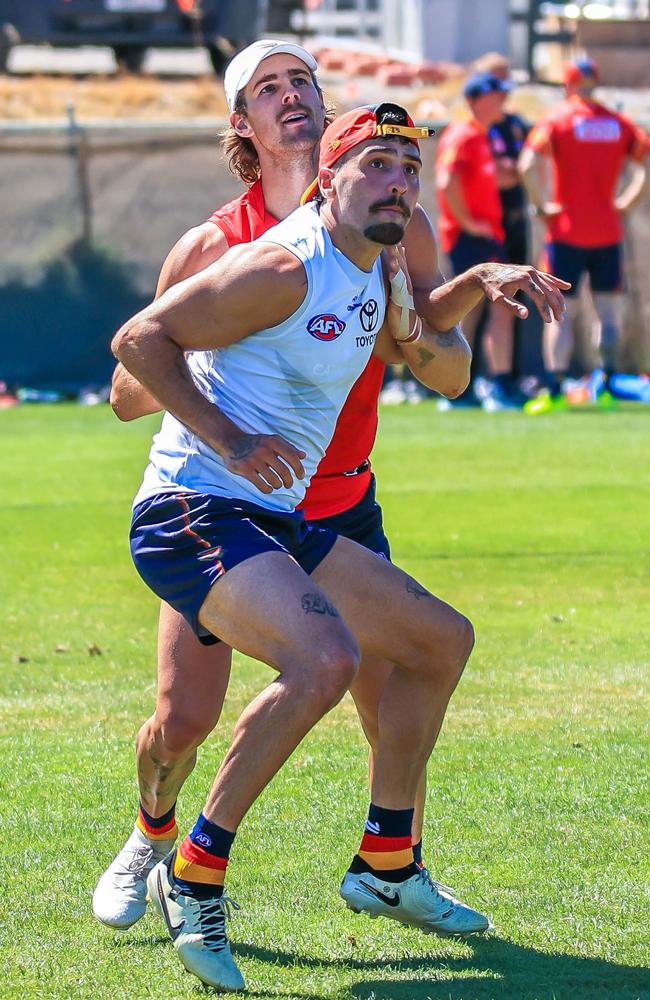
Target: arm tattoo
413, 587
245, 446
425, 357
316, 604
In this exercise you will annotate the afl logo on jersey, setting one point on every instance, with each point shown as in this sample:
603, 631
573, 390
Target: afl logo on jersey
327, 326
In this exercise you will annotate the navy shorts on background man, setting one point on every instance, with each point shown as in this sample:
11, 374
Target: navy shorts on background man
469, 250
362, 523
604, 265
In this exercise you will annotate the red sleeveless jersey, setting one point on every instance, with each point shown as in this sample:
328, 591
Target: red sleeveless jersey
337, 485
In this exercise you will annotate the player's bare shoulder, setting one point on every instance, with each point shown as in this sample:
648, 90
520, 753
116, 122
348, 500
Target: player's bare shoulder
195, 250
420, 228
422, 250
260, 284
267, 259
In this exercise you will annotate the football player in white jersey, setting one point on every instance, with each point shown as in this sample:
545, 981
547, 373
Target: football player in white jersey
241, 584
276, 120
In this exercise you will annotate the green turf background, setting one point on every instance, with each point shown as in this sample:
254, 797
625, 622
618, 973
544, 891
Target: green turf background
539, 806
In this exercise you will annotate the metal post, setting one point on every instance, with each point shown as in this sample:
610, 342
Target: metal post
78, 148
362, 10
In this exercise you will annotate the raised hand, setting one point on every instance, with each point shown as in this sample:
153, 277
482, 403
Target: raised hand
500, 282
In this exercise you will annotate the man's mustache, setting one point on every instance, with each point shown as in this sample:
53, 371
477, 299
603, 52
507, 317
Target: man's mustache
392, 203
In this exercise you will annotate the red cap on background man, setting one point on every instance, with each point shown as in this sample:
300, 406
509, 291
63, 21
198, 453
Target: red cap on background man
580, 69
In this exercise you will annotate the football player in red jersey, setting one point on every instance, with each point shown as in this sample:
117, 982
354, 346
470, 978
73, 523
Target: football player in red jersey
472, 226
588, 146
277, 116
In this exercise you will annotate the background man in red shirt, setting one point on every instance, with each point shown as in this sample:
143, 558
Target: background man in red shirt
471, 221
588, 145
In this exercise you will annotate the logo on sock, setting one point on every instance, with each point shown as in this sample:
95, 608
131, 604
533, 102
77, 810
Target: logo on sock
203, 840
372, 827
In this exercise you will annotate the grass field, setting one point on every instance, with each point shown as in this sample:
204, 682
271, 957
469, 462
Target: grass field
539, 803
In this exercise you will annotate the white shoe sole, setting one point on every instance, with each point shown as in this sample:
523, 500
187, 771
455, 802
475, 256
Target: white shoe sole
357, 903
115, 926
460, 935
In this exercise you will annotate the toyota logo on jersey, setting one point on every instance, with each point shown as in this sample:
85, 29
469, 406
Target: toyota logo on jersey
369, 315
327, 326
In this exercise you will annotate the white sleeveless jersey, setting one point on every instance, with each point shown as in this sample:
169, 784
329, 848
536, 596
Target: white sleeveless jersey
291, 379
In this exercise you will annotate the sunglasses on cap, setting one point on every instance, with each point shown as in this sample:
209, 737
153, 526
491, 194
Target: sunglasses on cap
395, 120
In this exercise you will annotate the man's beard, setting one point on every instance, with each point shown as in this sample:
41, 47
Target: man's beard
385, 233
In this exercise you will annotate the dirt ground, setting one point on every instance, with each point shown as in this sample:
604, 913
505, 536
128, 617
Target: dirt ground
158, 98
39, 98
45, 98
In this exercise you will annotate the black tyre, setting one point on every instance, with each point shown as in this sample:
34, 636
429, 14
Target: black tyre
129, 57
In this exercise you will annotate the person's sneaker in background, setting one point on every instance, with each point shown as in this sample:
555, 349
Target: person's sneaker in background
632, 387
597, 384
417, 901
493, 397
545, 403
414, 392
605, 401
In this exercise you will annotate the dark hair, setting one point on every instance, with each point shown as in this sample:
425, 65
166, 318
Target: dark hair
240, 152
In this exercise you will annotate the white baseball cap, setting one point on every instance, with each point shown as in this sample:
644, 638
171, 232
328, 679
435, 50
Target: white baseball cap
240, 69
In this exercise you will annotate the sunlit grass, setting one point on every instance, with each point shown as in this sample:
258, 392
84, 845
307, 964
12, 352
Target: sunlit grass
538, 797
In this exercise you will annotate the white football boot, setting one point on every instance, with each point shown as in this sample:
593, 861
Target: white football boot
417, 902
119, 899
197, 927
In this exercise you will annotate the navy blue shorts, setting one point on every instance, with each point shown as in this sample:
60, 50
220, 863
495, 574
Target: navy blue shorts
362, 523
470, 250
516, 241
604, 265
182, 543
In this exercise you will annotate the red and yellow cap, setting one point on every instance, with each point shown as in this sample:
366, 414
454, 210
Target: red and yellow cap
358, 125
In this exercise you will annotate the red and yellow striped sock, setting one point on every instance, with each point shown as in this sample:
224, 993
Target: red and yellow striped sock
387, 844
157, 828
201, 860
195, 866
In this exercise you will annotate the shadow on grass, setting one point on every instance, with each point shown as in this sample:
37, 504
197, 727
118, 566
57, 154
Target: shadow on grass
273, 994
496, 969
266, 994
